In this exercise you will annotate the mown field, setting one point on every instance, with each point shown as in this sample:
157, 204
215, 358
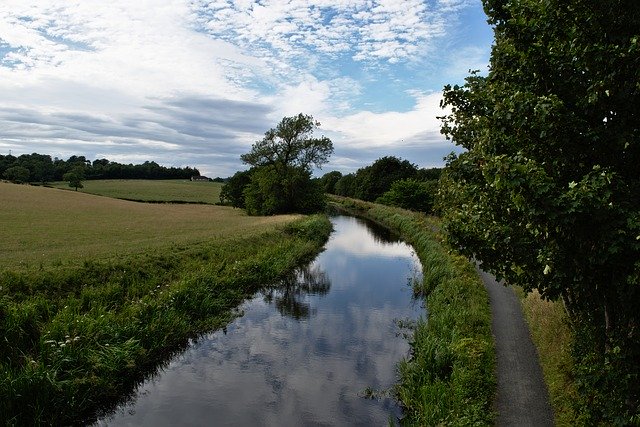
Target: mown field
147, 190
46, 227
96, 293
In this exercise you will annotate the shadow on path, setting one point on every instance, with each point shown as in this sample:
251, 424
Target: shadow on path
522, 398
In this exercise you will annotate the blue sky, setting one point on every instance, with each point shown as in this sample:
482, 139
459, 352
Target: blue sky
197, 82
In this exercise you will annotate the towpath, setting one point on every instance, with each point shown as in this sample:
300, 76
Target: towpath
522, 399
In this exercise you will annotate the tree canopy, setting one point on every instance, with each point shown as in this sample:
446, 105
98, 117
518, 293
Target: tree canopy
43, 169
546, 194
280, 178
291, 144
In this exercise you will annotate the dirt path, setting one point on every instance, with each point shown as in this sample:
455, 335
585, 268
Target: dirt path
522, 398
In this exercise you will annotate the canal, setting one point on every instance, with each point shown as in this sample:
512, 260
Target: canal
311, 351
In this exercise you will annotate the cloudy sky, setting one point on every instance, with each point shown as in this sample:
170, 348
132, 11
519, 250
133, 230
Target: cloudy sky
197, 82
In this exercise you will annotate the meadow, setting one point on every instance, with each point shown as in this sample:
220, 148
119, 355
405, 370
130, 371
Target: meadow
96, 293
43, 227
148, 190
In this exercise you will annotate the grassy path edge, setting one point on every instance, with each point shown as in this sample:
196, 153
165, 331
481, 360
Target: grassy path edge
449, 379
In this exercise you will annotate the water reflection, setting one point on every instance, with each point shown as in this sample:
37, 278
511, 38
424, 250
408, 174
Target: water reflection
290, 295
303, 354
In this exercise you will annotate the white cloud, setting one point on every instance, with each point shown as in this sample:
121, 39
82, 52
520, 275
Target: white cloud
366, 129
366, 30
197, 82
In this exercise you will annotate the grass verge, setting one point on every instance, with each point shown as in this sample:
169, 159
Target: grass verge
552, 336
449, 378
76, 340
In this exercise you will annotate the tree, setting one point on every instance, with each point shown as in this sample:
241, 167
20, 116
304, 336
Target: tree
345, 186
75, 177
283, 160
329, 180
291, 144
411, 194
232, 193
374, 180
546, 194
17, 174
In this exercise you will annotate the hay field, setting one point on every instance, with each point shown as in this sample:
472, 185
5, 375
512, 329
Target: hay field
46, 226
164, 190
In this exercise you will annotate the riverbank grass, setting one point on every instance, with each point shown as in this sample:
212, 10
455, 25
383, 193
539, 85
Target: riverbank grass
80, 334
449, 377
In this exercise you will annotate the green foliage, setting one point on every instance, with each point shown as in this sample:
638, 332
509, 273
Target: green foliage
232, 192
291, 144
374, 180
78, 340
282, 161
345, 186
449, 378
75, 177
271, 192
329, 180
43, 169
546, 193
411, 194
17, 174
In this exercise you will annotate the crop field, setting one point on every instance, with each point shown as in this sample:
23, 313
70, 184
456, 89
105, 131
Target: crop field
45, 226
147, 190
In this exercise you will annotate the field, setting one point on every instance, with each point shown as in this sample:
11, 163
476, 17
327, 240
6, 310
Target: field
147, 190
44, 226
96, 293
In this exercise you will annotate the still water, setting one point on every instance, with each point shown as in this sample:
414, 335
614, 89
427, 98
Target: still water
304, 353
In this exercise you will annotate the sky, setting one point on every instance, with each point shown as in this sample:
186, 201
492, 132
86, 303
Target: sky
197, 82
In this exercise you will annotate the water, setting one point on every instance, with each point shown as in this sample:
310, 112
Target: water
304, 354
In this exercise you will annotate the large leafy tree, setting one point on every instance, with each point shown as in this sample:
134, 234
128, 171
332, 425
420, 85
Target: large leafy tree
291, 144
546, 194
282, 162
374, 180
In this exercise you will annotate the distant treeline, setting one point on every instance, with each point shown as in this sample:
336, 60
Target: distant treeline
389, 180
42, 168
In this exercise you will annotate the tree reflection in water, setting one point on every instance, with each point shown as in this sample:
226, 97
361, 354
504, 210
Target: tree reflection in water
289, 295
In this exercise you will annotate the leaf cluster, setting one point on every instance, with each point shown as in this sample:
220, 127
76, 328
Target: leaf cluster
546, 193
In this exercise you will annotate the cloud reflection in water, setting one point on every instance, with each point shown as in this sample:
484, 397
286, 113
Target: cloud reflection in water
302, 354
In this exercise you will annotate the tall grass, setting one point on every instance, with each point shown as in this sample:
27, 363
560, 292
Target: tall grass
77, 340
553, 338
449, 378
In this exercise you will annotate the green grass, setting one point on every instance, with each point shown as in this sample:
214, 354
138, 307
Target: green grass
147, 190
77, 338
47, 227
449, 378
552, 336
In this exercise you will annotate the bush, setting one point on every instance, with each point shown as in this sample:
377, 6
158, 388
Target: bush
411, 194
